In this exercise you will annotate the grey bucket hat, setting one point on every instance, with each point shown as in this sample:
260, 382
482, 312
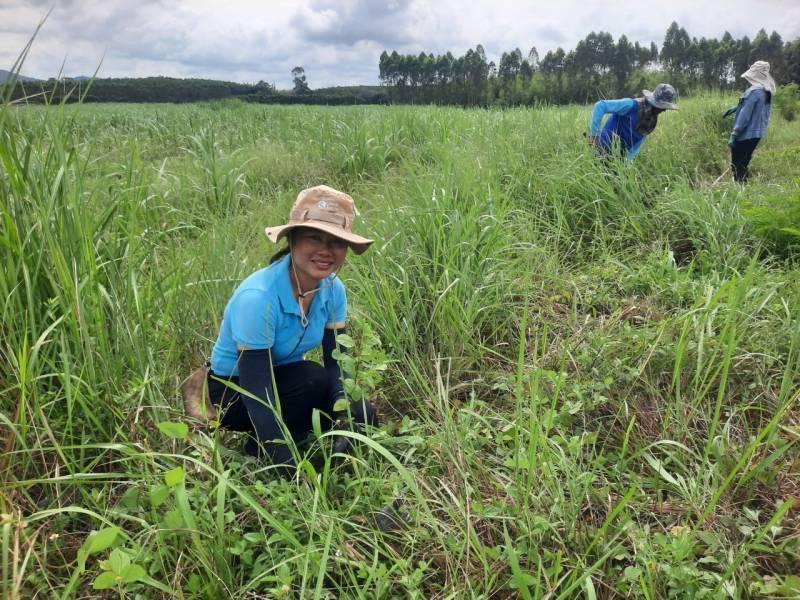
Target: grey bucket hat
663, 97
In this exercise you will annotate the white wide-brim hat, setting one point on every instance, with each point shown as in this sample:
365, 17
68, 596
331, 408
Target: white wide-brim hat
758, 74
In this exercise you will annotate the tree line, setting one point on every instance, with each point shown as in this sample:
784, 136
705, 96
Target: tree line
597, 67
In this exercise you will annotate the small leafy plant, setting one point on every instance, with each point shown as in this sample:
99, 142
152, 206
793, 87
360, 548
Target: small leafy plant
363, 365
118, 571
777, 223
787, 101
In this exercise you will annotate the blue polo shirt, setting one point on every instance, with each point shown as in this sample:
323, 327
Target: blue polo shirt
263, 313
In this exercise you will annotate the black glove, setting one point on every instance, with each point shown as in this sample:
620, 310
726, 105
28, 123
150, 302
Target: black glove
361, 413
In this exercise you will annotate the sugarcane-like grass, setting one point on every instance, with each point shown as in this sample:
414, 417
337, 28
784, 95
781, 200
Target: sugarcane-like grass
591, 367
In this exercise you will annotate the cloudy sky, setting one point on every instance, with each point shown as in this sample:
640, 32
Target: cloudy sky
337, 41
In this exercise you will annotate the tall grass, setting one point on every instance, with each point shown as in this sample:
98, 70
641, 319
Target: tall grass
593, 378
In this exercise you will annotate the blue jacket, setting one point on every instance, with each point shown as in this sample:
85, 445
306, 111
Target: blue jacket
752, 114
622, 125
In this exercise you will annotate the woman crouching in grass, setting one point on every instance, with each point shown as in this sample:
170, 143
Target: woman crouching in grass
274, 317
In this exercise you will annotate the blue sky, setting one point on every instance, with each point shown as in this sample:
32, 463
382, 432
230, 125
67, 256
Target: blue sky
337, 42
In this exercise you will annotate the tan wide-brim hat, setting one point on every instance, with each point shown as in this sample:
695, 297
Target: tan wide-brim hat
324, 208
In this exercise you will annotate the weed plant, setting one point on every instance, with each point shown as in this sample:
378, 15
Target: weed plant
589, 370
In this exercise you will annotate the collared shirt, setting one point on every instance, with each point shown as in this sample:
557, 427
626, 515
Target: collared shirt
264, 313
620, 108
752, 114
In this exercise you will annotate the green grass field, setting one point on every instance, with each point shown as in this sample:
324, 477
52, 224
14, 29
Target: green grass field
589, 373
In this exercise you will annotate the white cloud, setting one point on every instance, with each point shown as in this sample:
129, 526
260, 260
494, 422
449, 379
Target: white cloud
337, 41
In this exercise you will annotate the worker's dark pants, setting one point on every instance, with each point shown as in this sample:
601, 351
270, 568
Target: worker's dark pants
741, 153
302, 387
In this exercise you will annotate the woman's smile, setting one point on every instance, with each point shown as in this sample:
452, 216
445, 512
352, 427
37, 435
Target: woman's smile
315, 256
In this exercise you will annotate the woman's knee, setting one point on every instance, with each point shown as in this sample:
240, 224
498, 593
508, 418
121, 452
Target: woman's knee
300, 376
316, 375
302, 387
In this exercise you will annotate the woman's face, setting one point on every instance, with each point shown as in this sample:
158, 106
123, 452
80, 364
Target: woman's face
316, 254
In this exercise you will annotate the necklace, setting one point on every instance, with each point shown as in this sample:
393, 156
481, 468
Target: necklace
301, 295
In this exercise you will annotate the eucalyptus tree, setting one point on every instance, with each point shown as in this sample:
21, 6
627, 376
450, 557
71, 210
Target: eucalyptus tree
770, 49
741, 57
675, 51
299, 81
624, 60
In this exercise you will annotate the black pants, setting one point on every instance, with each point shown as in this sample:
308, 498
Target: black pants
741, 153
302, 387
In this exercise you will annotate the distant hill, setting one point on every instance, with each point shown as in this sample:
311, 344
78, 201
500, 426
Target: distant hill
6, 75
170, 89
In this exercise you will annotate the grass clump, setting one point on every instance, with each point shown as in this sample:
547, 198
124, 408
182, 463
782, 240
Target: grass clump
777, 222
787, 101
